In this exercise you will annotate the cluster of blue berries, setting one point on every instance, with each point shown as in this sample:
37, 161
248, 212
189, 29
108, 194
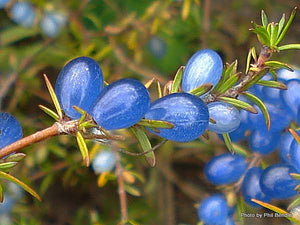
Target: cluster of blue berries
26, 15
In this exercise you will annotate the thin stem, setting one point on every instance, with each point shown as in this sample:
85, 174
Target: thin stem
120, 180
31, 139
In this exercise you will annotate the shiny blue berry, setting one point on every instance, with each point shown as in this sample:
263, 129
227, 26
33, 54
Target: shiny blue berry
287, 75
225, 169
251, 187
50, 24
213, 210
23, 14
121, 104
295, 155
284, 146
104, 161
264, 141
188, 113
226, 116
277, 183
10, 129
291, 96
205, 66
79, 83
157, 47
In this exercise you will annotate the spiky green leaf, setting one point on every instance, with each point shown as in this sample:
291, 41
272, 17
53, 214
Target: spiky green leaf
202, 89
228, 142
272, 84
281, 24
132, 190
228, 83
278, 65
1, 194
238, 103
155, 124
295, 135
49, 112
264, 19
15, 157
83, 149
177, 80
289, 47
5, 166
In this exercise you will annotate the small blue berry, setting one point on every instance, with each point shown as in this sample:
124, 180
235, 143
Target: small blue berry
157, 47
205, 66
23, 14
104, 161
284, 146
295, 155
291, 96
7, 205
226, 116
50, 25
10, 129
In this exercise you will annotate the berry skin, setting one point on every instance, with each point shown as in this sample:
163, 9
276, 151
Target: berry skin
3, 3
251, 187
226, 116
264, 141
51, 24
6, 205
287, 75
157, 47
295, 155
104, 161
225, 169
291, 96
188, 113
10, 129
276, 182
23, 14
213, 210
205, 66
79, 83
121, 104
284, 146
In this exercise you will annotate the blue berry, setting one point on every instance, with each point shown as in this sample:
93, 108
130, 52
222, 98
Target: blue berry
23, 14
287, 75
7, 205
10, 129
264, 141
188, 113
205, 66
291, 96
225, 169
213, 210
3, 3
295, 155
276, 182
79, 83
121, 104
51, 24
284, 146
251, 187
157, 47
104, 161
226, 116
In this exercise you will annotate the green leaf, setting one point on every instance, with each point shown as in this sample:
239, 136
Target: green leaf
1, 194
149, 83
272, 84
177, 80
229, 83
262, 35
53, 96
238, 103
248, 61
159, 93
145, 144
264, 18
290, 20
261, 105
15, 33
20, 183
295, 203
274, 33
155, 123
289, 46
240, 150
49, 112
228, 142
274, 74
295, 176
15, 157
202, 89
295, 135
229, 70
276, 209
257, 77
132, 190
281, 24
278, 65
83, 149
7, 165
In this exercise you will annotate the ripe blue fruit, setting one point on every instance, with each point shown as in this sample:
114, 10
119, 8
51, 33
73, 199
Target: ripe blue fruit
6, 205
277, 183
284, 146
226, 116
3, 3
295, 155
264, 141
188, 113
79, 83
51, 24
10, 129
225, 169
157, 47
213, 210
121, 104
291, 96
205, 66
104, 161
23, 14
251, 187
287, 75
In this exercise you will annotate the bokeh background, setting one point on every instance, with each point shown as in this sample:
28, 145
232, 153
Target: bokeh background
141, 39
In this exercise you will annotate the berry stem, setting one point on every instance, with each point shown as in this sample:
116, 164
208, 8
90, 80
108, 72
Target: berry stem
54, 130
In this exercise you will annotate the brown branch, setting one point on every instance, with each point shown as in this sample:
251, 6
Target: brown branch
29, 140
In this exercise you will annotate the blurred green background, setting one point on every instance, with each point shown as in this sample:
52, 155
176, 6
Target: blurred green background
129, 38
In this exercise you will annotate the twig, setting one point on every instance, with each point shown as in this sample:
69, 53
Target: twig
122, 193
